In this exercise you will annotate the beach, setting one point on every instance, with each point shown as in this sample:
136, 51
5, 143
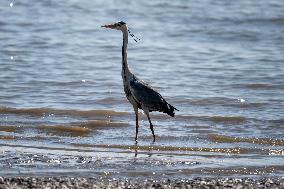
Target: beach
53, 182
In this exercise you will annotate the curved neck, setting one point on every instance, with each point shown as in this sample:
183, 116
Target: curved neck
125, 68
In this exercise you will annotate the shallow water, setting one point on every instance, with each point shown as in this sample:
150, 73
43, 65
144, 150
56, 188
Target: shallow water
62, 106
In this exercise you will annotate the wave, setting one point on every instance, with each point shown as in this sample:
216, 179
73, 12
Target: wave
277, 121
157, 148
222, 101
162, 148
245, 171
274, 20
241, 20
216, 119
262, 86
102, 118
98, 124
73, 129
68, 112
110, 100
212, 101
5, 137
63, 130
229, 139
236, 119
10, 129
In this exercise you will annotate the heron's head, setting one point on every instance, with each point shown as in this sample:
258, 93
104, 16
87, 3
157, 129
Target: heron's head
118, 26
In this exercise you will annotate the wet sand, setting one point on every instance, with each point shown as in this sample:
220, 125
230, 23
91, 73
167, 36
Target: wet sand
68, 182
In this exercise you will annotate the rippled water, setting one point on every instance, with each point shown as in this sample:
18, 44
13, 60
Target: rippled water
62, 106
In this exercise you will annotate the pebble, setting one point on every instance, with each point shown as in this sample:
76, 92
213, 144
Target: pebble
70, 182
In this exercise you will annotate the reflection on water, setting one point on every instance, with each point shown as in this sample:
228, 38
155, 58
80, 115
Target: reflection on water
131, 162
62, 106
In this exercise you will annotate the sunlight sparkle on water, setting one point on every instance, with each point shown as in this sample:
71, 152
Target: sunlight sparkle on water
241, 100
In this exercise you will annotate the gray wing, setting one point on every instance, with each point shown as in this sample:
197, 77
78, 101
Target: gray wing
147, 96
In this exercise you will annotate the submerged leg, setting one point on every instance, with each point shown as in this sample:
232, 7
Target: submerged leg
151, 125
137, 125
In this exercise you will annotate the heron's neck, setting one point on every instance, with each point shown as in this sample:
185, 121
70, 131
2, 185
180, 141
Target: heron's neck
125, 68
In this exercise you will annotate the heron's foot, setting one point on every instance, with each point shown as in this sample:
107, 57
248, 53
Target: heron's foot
154, 139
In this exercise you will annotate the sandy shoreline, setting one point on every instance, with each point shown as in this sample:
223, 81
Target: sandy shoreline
69, 182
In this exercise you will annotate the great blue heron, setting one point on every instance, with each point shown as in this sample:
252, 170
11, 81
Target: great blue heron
140, 94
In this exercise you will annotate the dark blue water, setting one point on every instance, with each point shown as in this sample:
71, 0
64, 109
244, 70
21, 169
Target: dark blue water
61, 94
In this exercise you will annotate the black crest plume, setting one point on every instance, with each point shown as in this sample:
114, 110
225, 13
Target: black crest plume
136, 39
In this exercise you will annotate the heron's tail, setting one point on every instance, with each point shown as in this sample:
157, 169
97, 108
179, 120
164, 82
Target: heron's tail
170, 110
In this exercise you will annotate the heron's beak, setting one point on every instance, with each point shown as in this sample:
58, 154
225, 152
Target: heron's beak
111, 26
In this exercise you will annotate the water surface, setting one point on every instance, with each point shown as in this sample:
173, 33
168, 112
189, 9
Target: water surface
62, 106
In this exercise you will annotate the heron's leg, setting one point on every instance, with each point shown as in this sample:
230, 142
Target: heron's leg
151, 125
137, 125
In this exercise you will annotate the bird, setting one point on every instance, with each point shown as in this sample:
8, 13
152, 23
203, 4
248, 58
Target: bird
139, 93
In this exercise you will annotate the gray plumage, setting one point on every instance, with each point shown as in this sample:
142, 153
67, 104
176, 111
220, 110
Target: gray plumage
146, 96
140, 94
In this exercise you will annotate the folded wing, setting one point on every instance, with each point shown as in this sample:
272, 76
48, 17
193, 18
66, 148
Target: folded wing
147, 97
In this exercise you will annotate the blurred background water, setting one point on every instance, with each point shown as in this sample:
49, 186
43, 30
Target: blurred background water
63, 109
